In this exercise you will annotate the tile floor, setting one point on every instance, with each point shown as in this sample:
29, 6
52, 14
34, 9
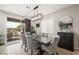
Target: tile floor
67, 52
14, 49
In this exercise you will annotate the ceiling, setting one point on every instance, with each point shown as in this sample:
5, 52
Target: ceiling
26, 10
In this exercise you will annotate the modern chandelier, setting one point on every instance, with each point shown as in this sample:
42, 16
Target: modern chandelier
37, 15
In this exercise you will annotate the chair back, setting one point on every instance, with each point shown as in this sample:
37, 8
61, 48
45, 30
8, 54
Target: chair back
24, 41
52, 48
56, 40
31, 43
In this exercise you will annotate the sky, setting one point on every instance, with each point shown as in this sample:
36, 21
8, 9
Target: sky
12, 24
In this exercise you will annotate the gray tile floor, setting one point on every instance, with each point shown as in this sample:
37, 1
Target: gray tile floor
15, 49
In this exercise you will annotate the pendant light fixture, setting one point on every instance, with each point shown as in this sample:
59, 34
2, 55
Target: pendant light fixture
37, 15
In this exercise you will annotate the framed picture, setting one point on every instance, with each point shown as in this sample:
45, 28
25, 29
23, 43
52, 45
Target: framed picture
37, 25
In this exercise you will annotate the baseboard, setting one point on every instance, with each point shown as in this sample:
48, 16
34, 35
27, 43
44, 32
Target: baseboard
76, 49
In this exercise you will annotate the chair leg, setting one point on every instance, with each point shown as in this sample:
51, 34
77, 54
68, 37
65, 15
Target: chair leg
31, 52
25, 48
57, 53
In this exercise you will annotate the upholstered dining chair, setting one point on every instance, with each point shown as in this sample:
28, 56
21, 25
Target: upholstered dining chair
52, 48
24, 41
32, 44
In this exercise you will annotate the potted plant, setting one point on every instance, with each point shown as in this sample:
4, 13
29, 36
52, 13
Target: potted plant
32, 31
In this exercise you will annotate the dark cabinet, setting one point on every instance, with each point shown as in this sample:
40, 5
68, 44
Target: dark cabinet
66, 40
27, 24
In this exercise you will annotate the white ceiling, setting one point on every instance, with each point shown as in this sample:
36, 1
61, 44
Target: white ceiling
20, 9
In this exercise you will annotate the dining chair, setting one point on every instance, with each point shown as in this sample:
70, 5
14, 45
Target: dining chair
32, 44
24, 41
52, 48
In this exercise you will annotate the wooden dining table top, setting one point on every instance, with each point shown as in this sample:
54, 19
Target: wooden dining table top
43, 40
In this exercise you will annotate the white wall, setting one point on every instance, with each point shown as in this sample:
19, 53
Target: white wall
3, 22
47, 25
56, 16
